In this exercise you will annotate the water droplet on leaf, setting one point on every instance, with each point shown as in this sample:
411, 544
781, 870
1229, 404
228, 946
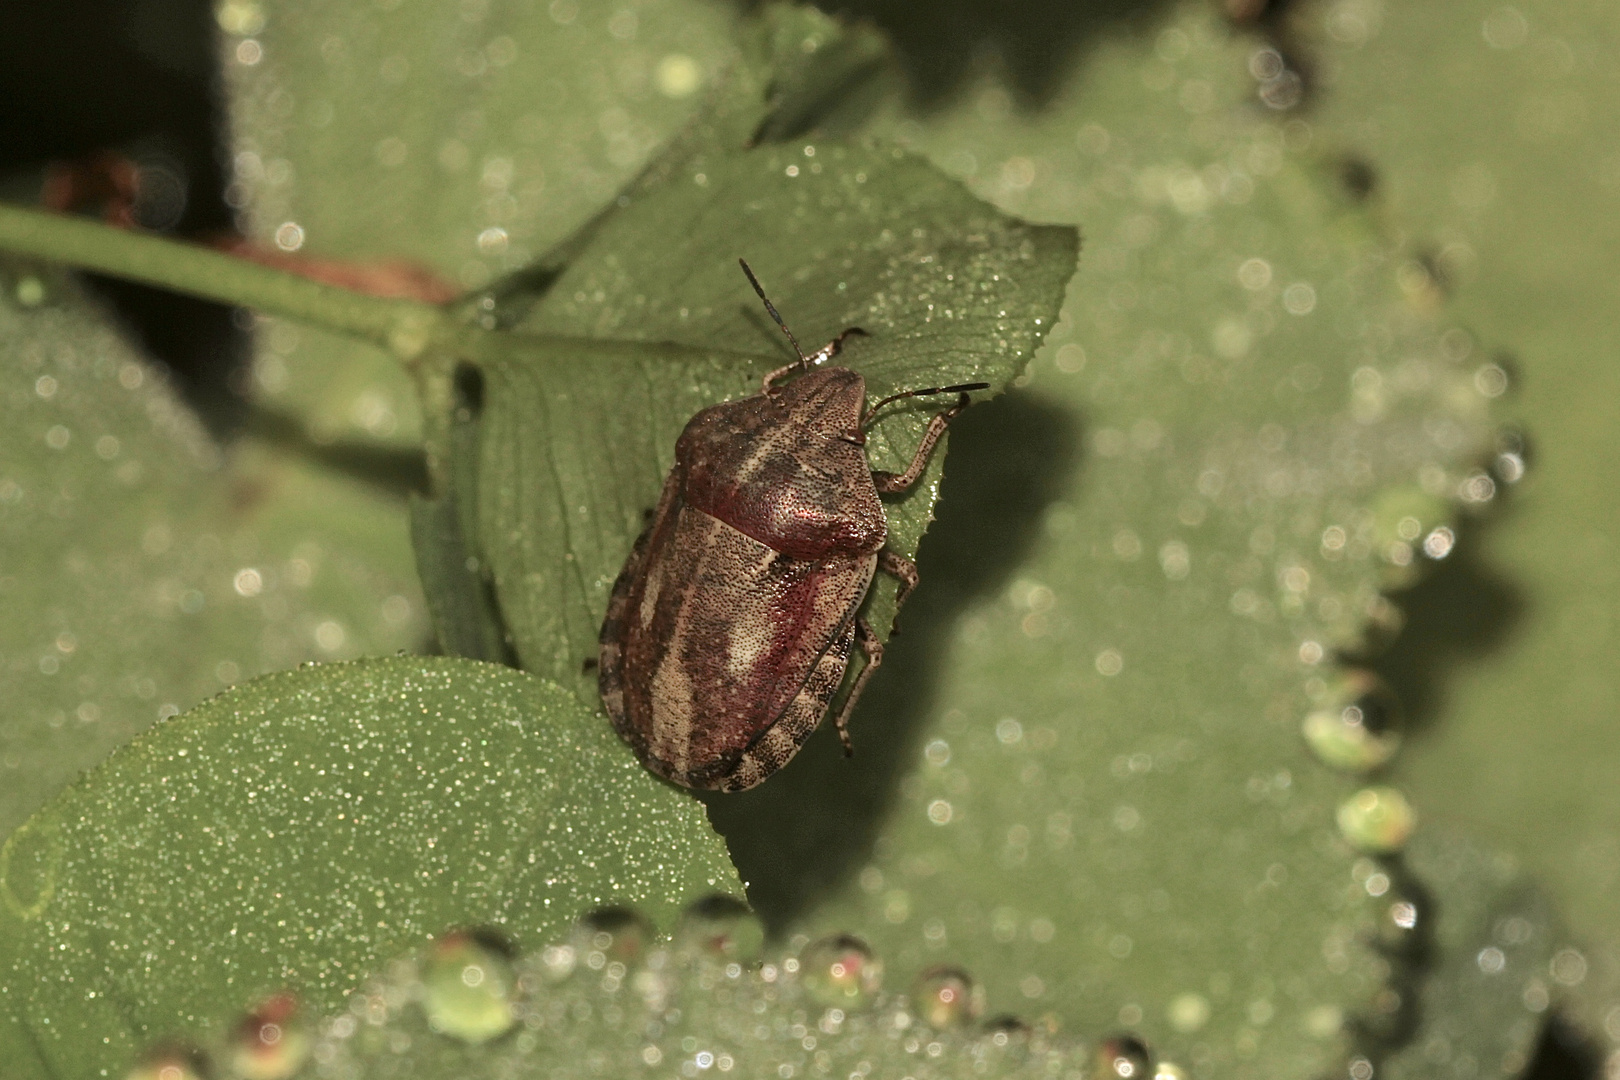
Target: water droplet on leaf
613, 935
945, 997
467, 986
1356, 725
721, 928
841, 970
1377, 820
1123, 1057
271, 1041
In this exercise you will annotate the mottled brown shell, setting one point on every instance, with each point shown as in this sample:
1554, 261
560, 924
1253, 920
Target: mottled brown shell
729, 630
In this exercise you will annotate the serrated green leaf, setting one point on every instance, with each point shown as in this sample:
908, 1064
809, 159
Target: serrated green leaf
1083, 780
622, 1004
1511, 661
576, 446
143, 569
297, 830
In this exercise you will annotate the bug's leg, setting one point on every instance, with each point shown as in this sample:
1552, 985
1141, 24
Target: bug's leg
890, 482
902, 570
873, 648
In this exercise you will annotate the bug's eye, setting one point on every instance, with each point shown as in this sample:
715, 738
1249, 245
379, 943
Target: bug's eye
857, 439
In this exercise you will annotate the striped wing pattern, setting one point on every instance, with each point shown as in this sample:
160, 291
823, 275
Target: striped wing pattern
719, 654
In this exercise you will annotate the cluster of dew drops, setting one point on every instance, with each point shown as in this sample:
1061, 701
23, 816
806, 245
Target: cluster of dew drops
615, 1000
1355, 721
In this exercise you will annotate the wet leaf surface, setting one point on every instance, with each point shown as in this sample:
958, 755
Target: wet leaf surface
1080, 775
1489, 935
297, 831
697, 1002
143, 570
1509, 664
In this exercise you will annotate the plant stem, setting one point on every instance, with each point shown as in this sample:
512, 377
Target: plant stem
404, 327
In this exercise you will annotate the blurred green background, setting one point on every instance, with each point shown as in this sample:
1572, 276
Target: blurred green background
1484, 137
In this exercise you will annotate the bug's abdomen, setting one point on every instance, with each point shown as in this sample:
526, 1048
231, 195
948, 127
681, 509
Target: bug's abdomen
719, 654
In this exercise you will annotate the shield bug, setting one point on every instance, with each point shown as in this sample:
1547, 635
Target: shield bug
729, 630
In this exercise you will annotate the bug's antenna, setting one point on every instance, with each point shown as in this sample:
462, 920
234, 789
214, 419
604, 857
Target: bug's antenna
754, 281
962, 389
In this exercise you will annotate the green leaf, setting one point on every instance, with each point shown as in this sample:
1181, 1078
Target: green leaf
1080, 775
465, 612
609, 1000
577, 440
1490, 131
298, 830
460, 140
145, 570
1489, 933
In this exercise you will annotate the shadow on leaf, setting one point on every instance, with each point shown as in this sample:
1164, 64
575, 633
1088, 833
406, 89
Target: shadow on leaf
942, 45
814, 823
1461, 612
1565, 1053
395, 472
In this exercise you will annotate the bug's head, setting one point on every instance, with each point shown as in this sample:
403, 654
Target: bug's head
827, 399
835, 395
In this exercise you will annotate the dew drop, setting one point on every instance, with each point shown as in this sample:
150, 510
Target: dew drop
1123, 1057
493, 241
289, 236
678, 76
1299, 298
1439, 542
841, 970
467, 986
946, 998
271, 1041
1568, 967
30, 291
721, 928
169, 1063
1476, 488
1403, 513
1356, 724
1006, 1031
1491, 960
1377, 820
1254, 274
613, 935
240, 18
1399, 930
1188, 1012
1491, 381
